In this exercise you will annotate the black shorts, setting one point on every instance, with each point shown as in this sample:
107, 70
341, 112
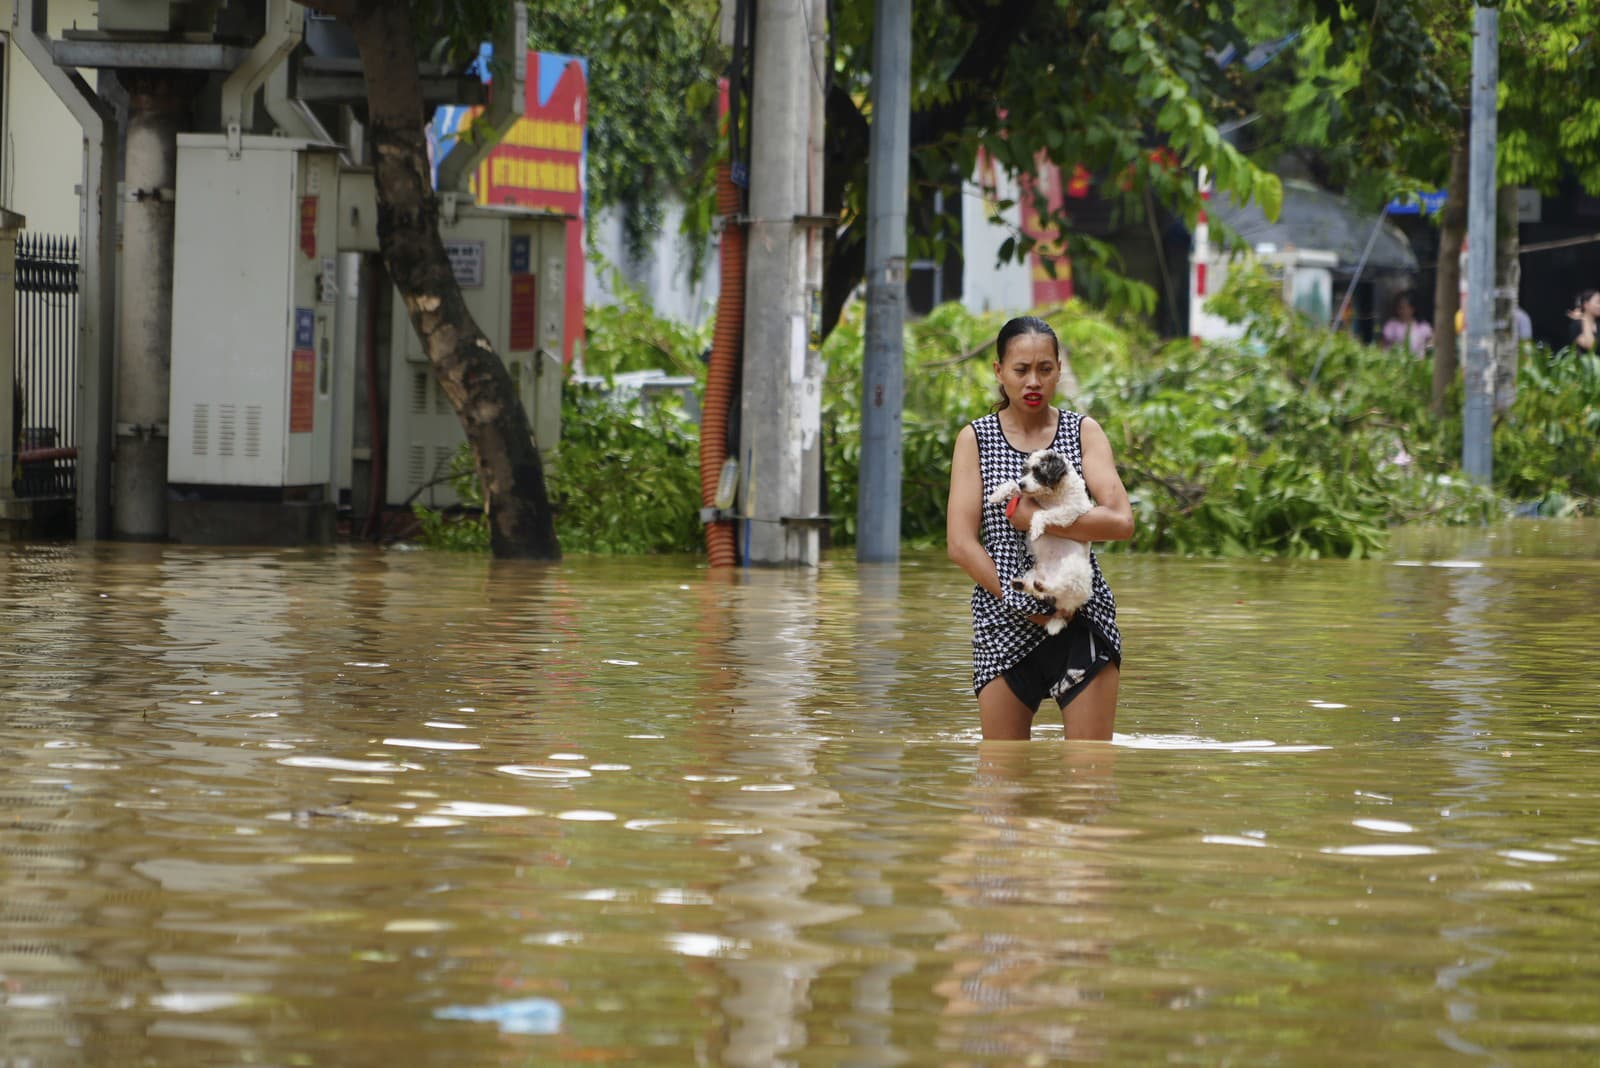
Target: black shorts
1061, 665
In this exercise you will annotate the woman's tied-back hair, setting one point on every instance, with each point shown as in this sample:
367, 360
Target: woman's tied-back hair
1022, 324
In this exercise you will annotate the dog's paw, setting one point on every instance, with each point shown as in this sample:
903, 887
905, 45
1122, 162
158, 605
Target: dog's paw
1004, 492
1056, 625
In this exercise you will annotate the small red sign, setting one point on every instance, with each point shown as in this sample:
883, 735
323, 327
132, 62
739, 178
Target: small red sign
308, 226
524, 312
302, 391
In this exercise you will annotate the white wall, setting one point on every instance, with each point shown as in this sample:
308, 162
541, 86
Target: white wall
41, 155
985, 286
664, 274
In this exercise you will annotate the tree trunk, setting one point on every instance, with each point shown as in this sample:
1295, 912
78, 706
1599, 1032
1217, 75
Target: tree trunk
1507, 281
468, 369
1447, 286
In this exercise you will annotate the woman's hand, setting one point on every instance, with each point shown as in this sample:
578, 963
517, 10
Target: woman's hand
1111, 518
1021, 516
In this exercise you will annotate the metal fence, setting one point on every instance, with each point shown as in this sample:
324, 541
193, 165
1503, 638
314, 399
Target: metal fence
44, 398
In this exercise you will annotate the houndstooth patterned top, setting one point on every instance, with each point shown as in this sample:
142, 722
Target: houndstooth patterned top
1002, 634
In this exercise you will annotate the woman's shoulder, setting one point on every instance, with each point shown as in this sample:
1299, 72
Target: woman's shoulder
984, 428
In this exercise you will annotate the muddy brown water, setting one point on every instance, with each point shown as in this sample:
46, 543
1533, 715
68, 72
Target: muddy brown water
348, 807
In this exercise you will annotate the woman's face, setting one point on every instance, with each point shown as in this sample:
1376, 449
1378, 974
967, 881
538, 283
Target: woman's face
1592, 305
1029, 372
1403, 310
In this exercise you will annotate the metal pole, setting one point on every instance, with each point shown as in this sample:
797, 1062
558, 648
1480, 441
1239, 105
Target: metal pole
1477, 446
882, 369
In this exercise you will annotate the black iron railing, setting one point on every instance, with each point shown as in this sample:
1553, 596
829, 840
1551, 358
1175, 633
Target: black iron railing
44, 396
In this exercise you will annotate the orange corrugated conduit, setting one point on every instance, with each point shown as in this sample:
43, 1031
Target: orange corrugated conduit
721, 550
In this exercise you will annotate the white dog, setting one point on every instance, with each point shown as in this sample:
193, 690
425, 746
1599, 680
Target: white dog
1061, 572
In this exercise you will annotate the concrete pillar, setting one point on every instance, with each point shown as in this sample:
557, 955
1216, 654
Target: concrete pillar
780, 526
156, 108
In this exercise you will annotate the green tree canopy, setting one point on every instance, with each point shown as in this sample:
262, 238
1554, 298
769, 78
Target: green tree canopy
652, 69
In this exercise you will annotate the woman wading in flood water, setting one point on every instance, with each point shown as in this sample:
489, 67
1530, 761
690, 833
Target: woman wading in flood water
1015, 664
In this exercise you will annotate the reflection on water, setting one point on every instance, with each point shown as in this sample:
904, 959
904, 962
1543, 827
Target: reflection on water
341, 807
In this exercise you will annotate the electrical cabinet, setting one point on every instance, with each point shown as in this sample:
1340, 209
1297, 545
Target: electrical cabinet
147, 16
253, 292
511, 266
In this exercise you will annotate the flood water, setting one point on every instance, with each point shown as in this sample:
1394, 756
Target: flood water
350, 807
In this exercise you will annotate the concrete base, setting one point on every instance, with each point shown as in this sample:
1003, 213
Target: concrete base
234, 522
33, 519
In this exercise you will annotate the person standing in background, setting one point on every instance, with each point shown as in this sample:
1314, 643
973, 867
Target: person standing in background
1584, 314
1523, 323
1403, 329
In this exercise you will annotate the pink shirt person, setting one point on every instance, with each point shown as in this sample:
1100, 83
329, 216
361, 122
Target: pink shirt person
1403, 329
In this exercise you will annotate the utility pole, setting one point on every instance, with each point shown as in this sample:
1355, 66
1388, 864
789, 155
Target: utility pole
1477, 444
780, 410
157, 107
883, 366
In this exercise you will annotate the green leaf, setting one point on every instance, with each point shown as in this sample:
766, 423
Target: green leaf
1269, 194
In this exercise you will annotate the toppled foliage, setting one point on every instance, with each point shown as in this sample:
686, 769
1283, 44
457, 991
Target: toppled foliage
625, 479
624, 482
1547, 449
1291, 441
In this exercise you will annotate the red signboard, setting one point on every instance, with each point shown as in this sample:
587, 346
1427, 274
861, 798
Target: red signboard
524, 313
302, 391
1048, 265
308, 226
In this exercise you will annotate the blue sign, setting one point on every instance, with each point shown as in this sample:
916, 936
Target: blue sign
1424, 203
303, 332
521, 254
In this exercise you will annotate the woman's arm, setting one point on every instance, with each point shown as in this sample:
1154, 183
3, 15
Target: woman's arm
964, 514
1111, 518
1586, 334
964, 521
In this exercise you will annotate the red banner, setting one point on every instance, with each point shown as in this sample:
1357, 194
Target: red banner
302, 391
524, 312
308, 226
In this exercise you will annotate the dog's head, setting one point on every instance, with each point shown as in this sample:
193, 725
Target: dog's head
1043, 472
